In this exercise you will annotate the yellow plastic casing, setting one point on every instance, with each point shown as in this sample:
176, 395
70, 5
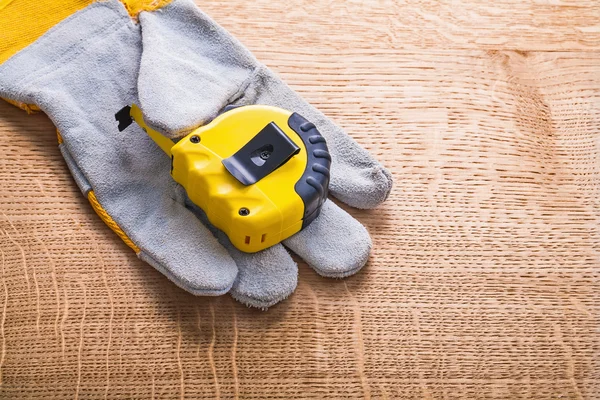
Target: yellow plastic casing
275, 209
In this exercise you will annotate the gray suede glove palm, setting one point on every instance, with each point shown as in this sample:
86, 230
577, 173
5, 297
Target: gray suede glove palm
182, 69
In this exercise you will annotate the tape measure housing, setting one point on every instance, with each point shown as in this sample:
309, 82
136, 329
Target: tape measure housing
260, 173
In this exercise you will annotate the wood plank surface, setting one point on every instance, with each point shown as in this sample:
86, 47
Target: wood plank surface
484, 277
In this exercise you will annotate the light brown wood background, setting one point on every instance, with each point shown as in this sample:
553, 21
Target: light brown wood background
484, 278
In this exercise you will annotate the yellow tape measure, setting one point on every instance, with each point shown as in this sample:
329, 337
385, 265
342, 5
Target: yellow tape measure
260, 173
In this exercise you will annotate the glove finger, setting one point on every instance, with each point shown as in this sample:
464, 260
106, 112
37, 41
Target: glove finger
357, 178
335, 245
190, 68
162, 232
265, 278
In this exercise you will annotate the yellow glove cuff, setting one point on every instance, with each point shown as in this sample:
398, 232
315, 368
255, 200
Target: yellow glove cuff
24, 21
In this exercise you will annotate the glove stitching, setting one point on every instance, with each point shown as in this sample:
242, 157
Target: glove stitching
239, 94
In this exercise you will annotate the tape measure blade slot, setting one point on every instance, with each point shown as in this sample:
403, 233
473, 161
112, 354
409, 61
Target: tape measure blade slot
123, 116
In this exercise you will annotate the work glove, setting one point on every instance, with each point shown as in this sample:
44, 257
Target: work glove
82, 61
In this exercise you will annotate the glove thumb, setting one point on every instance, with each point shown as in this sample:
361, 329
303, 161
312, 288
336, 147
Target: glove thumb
190, 68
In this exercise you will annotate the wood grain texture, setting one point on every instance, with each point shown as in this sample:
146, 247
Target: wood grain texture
484, 278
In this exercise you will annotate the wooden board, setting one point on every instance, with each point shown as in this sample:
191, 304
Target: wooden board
483, 282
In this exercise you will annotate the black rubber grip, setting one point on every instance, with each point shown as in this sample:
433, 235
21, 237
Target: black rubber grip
313, 186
